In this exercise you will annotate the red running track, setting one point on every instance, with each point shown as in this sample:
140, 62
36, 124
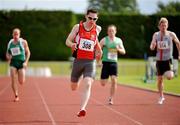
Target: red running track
49, 101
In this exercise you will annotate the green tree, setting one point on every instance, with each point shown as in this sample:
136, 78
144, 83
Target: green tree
170, 8
115, 6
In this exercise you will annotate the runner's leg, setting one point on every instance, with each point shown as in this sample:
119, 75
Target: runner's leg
113, 88
169, 74
104, 82
21, 76
86, 91
13, 72
160, 86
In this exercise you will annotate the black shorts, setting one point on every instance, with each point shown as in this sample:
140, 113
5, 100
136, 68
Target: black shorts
109, 69
163, 66
18, 64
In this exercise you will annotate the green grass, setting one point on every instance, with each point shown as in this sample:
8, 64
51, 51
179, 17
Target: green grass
131, 72
170, 86
3, 68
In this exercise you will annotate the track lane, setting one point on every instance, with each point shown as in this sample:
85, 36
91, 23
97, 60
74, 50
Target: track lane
132, 106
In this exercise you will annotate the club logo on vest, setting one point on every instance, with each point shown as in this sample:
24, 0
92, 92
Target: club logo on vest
92, 37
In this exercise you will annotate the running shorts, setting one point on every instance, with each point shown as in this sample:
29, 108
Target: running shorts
84, 67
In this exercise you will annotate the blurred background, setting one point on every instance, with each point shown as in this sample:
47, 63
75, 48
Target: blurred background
45, 24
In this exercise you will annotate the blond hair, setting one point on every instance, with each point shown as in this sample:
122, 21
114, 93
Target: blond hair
163, 20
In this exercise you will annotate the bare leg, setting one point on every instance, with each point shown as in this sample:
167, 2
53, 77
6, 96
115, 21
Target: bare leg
169, 74
74, 85
21, 76
13, 72
86, 92
104, 81
160, 85
113, 88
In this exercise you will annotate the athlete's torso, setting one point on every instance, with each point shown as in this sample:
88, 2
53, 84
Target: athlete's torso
110, 53
164, 46
86, 41
16, 49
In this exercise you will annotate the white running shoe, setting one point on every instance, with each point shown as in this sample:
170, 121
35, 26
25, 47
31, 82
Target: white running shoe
110, 101
16, 99
161, 100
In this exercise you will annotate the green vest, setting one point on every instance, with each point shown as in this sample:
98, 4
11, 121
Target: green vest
16, 50
110, 53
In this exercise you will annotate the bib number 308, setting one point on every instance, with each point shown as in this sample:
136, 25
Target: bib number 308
86, 44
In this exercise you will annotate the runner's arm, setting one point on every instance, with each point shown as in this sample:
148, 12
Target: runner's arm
176, 41
102, 42
8, 55
27, 52
98, 46
120, 49
71, 36
153, 42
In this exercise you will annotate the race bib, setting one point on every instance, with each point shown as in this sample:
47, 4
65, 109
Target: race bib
15, 51
86, 45
112, 54
163, 45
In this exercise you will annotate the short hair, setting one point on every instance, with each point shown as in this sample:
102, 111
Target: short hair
16, 29
163, 20
91, 11
112, 25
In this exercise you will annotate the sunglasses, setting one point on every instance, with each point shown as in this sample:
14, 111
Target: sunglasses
90, 18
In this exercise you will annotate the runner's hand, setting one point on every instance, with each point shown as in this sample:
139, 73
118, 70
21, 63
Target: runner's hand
99, 63
8, 57
25, 65
74, 46
98, 55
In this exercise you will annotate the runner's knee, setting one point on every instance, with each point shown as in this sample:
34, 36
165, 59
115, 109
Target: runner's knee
22, 81
103, 82
88, 81
169, 75
74, 86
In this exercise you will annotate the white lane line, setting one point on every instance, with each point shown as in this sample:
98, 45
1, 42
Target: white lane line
4, 89
115, 111
45, 105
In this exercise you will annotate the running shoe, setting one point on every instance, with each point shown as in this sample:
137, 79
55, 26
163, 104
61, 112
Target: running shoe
110, 101
16, 99
81, 113
161, 100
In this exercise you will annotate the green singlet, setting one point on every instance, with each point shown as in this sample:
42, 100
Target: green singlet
109, 49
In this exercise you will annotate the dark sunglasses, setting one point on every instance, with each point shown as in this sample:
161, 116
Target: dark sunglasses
90, 18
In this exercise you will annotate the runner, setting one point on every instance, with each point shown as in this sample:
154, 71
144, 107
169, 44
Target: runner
111, 45
163, 42
175, 61
83, 39
18, 55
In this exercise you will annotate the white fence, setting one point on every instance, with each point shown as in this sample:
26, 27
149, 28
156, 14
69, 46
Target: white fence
38, 71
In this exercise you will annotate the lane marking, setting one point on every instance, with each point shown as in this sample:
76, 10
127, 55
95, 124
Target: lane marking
117, 112
4, 89
45, 105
